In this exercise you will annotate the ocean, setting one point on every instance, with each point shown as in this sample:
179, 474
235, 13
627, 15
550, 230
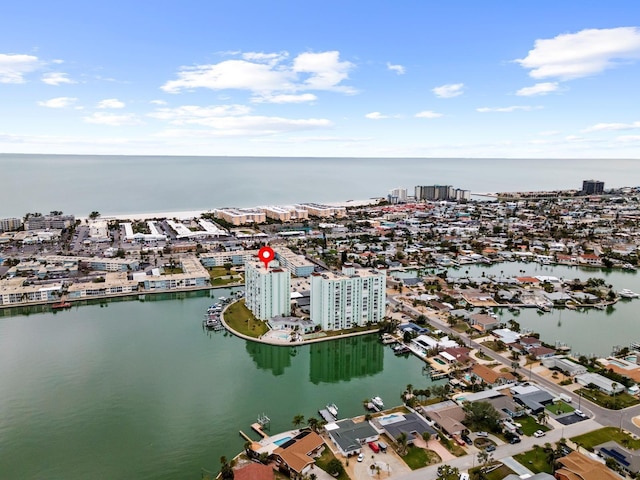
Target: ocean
80, 184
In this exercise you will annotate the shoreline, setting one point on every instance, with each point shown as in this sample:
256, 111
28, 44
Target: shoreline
188, 214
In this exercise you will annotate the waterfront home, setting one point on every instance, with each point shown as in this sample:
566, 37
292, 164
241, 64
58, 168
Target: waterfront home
565, 365
576, 466
297, 455
349, 436
113, 284
14, 292
254, 471
411, 424
483, 322
540, 353
490, 377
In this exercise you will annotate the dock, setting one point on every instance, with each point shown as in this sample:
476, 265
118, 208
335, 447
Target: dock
245, 436
326, 415
256, 427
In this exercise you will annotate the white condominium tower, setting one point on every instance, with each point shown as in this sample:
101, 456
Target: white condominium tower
348, 299
268, 291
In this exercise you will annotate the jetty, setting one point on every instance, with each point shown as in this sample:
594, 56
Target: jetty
326, 415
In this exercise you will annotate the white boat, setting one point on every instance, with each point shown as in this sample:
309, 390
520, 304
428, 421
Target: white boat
333, 409
626, 293
377, 401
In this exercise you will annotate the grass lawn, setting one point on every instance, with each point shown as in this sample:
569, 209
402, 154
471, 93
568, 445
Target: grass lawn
561, 407
171, 271
529, 425
535, 460
225, 281
217, 272
337, 333
419, 457
497, 474
325, 458
589, 440
617, 402
495, 346
240, 319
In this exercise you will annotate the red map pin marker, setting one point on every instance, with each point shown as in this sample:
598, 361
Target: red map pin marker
266, 254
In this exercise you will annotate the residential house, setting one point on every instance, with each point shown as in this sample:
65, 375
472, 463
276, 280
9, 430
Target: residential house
576, 466
490, 377
349, 436
296, 456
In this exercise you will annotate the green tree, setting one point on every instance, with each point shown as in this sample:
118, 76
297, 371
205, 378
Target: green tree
298, 420
447, 472
481, 415
335, 467
402, 440
93, 215
226, 471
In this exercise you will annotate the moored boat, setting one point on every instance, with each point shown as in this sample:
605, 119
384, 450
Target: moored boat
377, 401
626, 293
61, 305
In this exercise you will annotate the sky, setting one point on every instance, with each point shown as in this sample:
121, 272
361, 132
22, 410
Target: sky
420, 78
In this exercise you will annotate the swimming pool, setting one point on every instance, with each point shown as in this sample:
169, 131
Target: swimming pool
282, 440
389, 419
437, 360
618, 364
631, 358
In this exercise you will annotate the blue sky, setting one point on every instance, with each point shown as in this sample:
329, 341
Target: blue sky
332, 78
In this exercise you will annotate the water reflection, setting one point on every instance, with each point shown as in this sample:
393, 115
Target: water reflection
346, 358
268, 357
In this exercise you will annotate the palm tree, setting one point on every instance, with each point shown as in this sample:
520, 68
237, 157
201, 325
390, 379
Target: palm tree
313, 423
542, 418
402, 443
298, 420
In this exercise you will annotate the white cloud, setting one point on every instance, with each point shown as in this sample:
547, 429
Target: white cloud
59, 102
588, 52
110, 103
599, 127
112, 119
232, 120
449, 91
628, 138
376, 116
399, 69
285, 98
512, 108
14, 67
307, 71
538, 89
56, 78
428, 114
549, 133
158, 102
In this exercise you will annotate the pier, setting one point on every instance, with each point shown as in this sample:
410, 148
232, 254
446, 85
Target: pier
326, 416
257, 427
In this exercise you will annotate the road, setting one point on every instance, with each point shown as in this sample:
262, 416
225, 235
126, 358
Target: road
598, 416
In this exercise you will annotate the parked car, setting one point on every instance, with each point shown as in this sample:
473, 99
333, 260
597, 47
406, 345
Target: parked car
466, 439
515, 439
361, 457
538, 433
491, 448
374, 446
580, 413
483, 434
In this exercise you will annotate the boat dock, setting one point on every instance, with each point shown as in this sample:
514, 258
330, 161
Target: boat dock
326, 415
256, 427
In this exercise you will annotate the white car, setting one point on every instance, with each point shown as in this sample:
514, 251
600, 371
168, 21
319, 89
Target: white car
580, 413
538, 434
361, 457
483, 434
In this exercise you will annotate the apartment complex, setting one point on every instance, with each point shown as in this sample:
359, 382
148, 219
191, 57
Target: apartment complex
440, 192
351, 298
286, 213
267, 290
219, 259
592, 187
43, 222
323, 211
10, 224
241, 216
297, 265
397, 195
14, 292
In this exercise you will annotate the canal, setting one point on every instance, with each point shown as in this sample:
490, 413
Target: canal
132, 389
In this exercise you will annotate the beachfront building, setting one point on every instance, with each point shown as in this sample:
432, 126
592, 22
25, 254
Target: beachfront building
397, 195
43, 222
154, 234
14, 292
286, 213
440, 192
10, 224
592, 187
323, 211
354, 297
114, 284
240, 216
267, 290
298, 265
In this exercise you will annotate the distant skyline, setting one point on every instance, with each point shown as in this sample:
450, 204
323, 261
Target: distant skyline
345, 79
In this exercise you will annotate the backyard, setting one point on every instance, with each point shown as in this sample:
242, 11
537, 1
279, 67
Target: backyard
535, 460
591, 439
417, 457
614, 402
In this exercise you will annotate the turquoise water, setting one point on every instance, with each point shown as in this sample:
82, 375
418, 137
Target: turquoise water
282, 440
